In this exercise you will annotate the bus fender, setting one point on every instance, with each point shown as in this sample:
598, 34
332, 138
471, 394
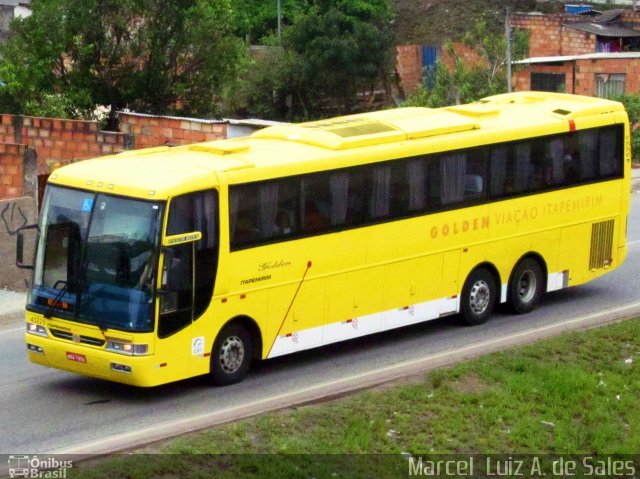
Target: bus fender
254, 330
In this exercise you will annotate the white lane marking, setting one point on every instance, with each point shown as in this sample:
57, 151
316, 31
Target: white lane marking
358, 381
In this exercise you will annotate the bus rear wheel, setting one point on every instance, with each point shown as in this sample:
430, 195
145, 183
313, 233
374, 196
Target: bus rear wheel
526, 286
231, 355
478, 297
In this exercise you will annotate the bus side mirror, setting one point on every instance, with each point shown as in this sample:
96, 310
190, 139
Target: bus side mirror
20, 245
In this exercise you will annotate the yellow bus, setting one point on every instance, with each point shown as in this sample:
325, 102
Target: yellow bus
161, 264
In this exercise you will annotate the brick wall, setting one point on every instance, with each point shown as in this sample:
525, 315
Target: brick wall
146, 130
585, 74
11, 173
549, 36
576, 42
545, 32
57, 142
409, 67
522, 77
467, 54
586, 71
552, 35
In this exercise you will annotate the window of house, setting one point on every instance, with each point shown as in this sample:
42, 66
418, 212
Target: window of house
555, 82
609, 85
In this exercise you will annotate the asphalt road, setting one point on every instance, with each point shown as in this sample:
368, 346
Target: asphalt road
51, 411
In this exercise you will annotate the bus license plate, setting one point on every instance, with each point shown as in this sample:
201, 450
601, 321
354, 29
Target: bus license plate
81, 358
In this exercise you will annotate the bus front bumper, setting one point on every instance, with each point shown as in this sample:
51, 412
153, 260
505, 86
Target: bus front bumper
143, 371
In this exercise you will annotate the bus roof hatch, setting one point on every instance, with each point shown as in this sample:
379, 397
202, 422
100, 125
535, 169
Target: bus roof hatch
370, 129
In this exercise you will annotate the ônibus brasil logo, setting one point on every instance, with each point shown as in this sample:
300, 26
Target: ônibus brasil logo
34, 467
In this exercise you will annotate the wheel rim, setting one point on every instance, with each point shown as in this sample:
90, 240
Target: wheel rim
480, 297
231, 354
527, 286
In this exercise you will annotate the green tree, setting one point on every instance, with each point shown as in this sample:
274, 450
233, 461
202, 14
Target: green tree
150, 55
257, 20
342, 47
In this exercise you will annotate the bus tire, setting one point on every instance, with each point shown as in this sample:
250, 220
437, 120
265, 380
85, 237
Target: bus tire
478, 297
231, 355
526, 286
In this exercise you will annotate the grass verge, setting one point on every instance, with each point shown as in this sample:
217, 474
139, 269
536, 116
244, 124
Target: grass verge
574, 394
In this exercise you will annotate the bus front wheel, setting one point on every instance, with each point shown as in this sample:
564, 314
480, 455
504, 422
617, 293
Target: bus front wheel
478, 297
526, 286
231, 355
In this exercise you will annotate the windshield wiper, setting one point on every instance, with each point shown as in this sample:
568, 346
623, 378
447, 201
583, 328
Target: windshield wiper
56, 301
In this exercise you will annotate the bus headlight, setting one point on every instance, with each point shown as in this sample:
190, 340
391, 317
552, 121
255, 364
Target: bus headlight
130, 349
36, 329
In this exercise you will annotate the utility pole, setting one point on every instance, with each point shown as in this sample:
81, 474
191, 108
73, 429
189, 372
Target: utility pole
507, 34
279, 22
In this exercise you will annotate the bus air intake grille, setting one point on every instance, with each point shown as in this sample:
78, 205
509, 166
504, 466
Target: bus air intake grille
601, 245
82, 339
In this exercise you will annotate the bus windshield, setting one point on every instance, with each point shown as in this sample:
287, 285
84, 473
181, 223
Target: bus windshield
97, 259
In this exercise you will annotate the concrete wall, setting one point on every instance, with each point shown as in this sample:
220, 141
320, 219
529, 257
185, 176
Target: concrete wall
14, 213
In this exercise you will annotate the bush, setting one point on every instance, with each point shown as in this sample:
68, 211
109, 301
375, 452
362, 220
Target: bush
631, 103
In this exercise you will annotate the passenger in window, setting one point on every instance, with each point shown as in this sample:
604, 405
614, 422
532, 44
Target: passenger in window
570, 168
355, 206
509, 186
246, 230
399, 199
313, 220
537, 179
283, 223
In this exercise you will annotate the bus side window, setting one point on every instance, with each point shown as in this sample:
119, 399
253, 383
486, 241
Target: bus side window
245, 230
452, 174
521, 167
315, 200
287, 206
355, 197
380, 191
473, 186
500, 184
243, 215
586, 158
475, 175
610, 152
340, 188
416, 178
